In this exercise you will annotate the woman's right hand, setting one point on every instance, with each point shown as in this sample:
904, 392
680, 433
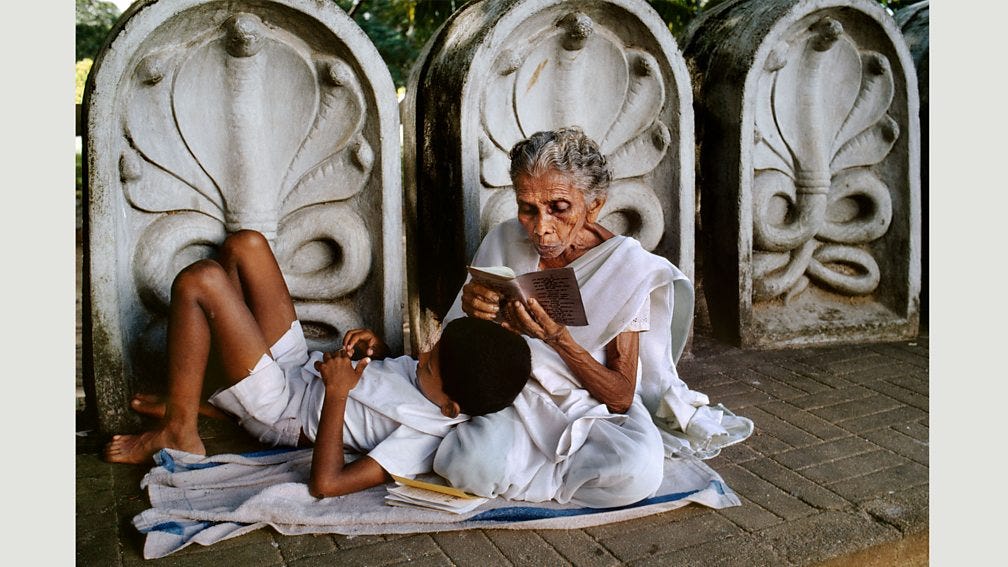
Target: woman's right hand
533, 321
480, 301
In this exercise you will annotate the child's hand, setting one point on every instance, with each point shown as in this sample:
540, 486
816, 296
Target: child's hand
338, 375
363, 342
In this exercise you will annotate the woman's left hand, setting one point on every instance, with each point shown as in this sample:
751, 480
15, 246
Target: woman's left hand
533, 321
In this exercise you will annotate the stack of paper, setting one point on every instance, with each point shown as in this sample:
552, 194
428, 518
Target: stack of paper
433, 495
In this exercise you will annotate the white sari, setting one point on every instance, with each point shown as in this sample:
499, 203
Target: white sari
557, 441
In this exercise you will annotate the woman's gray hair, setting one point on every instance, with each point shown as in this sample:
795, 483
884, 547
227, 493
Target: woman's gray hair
566, 150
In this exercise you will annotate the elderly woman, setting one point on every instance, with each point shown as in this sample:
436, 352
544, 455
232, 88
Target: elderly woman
582, 431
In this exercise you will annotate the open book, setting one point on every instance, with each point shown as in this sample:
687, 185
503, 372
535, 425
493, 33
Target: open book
431, 491
556, 290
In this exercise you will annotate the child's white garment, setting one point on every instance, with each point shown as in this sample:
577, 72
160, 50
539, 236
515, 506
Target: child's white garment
387, 417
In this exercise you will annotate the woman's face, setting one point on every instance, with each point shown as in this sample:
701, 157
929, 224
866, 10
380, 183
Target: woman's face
553, 211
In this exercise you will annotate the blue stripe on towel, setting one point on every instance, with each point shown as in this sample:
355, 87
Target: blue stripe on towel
177, 528
268, 452
165, 460
526, 513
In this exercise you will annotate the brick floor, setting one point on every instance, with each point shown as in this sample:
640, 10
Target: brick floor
838, 465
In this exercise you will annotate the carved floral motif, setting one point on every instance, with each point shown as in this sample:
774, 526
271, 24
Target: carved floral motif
821, 123
578, 75
246, 127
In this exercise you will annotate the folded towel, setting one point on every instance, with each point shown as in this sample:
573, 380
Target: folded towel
197, 499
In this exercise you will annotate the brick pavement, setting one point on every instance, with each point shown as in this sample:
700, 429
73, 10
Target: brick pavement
836, 473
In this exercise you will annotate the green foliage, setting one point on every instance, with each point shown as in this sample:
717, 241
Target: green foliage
399, 28
678, 14
83, 68
80, 179
94, 20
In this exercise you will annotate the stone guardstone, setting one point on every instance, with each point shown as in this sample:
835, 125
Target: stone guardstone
914, 22
499, 71
809, 171
204, 118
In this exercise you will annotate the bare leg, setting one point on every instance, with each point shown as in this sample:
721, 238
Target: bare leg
253, 270
153, 405
205, 307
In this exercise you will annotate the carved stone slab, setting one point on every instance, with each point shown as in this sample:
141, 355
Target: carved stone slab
809, 172
500, 71
914, 22
204, 118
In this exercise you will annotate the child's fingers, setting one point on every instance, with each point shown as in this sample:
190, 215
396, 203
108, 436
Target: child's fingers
361, 365
350, 339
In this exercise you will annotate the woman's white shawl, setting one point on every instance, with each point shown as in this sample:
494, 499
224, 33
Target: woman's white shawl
556, 430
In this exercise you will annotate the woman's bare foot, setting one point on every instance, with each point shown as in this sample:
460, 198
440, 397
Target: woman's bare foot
138, 449
153, 405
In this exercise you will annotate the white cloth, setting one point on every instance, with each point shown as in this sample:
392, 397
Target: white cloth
268, 402
386, 415
203, 500
551, 428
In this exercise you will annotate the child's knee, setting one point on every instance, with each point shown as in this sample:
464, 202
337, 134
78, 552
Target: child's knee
244, 241
197, 276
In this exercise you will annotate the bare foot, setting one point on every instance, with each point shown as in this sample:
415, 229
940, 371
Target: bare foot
153, 405
138, 449
150, 405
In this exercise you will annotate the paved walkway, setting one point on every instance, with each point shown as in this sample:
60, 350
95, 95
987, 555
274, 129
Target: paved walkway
836, 474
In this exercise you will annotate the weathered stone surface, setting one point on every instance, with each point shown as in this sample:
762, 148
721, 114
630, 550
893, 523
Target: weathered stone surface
808, 134
500, 71
914, 21
204, 118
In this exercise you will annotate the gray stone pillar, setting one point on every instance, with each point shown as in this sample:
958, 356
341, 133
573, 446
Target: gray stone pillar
204, 118
809, 171
914, 22
499, 71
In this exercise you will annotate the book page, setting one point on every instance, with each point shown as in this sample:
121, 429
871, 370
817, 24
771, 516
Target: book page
558, 293
495, 273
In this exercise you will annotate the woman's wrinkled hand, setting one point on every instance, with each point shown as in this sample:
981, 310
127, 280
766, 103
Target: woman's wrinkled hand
480, 301
533, 321
338, 375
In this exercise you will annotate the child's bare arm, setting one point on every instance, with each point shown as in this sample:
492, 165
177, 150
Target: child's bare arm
366, 343
330, 475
